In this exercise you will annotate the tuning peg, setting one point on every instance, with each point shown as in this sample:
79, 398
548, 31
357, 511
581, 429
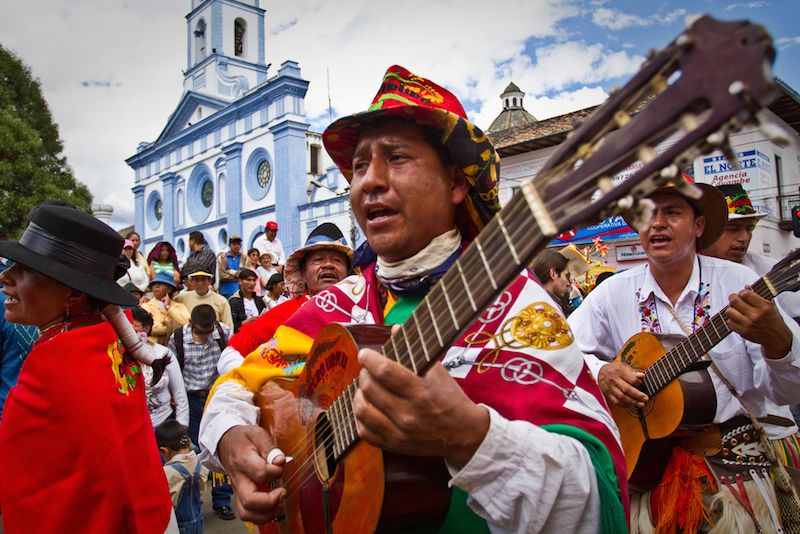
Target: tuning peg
775, 133
646, 154
636, 213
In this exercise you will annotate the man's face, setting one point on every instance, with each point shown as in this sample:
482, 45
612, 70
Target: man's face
271, 234
248, 285
235, 247
561, 282
323, 268
401, 193
201, 284
672, 233
734, 241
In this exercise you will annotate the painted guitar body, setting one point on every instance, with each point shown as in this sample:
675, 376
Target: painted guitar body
369, 489
666, 410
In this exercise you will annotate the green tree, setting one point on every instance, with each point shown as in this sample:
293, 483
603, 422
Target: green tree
32, 169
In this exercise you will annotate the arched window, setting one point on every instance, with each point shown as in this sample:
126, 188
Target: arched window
221, 193
200, 41
180, 205
515, 101
239, 32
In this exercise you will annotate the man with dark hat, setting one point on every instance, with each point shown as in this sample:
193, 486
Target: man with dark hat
324, 260
269, 243
676, 292
77, 452
423, 181
229, 265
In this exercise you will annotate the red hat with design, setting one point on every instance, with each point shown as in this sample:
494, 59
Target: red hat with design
404, 94
272, 225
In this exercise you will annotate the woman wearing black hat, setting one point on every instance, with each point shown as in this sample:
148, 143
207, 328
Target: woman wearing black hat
77, 450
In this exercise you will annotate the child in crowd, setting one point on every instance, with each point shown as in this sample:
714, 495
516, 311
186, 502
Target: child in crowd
185, 475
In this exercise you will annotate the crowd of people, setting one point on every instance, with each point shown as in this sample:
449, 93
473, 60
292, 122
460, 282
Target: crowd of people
518, 408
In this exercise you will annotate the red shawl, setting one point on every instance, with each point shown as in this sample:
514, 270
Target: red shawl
77, 450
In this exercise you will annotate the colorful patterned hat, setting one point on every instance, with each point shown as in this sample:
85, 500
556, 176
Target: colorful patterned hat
404, 94
738, 201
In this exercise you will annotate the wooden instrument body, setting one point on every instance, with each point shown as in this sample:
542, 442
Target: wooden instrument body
666, 410
368, 489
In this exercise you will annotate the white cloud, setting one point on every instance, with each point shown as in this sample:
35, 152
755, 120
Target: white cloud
111, 72
614, 19
746, 5
786, 42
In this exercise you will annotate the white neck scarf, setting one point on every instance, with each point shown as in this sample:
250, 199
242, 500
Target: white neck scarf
423, 262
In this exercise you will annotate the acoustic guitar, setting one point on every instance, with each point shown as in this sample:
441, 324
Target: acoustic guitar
711, 80
666, 382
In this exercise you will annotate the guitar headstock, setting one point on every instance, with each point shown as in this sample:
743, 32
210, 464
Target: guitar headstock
785, 275
708, 82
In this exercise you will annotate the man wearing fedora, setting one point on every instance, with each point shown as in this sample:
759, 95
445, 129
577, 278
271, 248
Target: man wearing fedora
77, 452
269, 243
423, 182
734, 243
323, 261
676, 292
167, 313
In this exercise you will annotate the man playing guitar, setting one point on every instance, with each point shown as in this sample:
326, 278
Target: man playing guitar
513, 410
675, 293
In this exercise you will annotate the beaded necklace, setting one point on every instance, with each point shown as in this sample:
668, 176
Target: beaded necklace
648, 310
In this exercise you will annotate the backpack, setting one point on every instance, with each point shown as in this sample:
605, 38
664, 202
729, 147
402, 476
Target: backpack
178, 337
189, 510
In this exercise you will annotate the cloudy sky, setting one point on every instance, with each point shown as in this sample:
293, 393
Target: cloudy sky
111, 69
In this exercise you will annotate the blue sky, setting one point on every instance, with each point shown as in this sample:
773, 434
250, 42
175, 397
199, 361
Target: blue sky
111, 69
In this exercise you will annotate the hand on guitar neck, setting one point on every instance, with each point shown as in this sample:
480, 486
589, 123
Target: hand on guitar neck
749, 315
757, 319
401, 412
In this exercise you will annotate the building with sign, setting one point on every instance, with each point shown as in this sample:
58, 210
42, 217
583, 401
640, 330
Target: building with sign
237, 150
769, 172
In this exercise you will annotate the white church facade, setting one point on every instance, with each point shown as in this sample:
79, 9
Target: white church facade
237, 150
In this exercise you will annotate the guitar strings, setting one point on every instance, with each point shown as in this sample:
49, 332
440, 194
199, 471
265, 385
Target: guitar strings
469, 267
659, 374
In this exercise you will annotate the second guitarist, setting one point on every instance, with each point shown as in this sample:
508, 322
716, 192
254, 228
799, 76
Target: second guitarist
675, 293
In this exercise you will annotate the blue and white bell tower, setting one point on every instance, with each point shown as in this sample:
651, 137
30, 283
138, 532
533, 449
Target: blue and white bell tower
235, 152
225, 48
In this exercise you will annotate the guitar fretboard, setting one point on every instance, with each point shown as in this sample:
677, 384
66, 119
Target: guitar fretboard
677, 360
485, 268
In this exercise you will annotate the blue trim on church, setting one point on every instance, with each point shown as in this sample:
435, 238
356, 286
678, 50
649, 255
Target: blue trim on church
231, 139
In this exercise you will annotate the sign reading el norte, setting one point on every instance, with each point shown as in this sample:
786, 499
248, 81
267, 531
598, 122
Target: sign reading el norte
753, 170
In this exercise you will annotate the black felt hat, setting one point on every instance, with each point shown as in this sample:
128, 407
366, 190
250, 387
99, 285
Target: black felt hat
73, 248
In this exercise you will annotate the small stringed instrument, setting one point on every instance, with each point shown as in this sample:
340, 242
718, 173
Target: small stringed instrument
664, 371
709, 81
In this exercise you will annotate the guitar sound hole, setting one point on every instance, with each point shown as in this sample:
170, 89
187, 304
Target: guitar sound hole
323, 448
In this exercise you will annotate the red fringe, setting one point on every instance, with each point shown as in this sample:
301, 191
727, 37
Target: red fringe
677, 502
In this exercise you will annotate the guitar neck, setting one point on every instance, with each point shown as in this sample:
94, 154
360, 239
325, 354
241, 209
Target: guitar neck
485, 269
677, 360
